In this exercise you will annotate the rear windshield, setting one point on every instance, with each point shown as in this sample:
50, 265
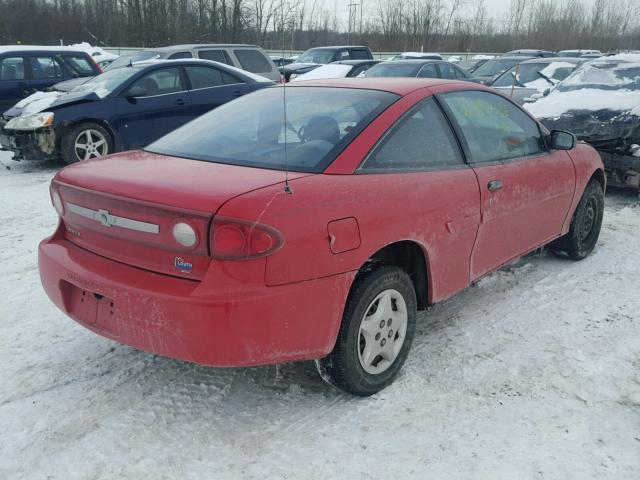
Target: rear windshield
316, 55
494, 67
604, 75
134, 57
396, 70
81, 65
251, 131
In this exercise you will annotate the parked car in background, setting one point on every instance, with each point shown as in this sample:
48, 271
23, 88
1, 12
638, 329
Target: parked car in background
418, 68
246, 57
314, 57
416, 56
470, 66
25, 70
578, 53
528, 52
343, 69
124, 108
281, 61
600, 103
455, 59
203, 248
492, 69
534, 77
99, 55
592, 55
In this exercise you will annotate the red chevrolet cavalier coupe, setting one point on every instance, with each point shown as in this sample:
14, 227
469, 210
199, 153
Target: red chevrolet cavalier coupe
251, 237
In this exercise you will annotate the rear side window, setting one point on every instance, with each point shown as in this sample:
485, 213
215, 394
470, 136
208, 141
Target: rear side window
360, 55
180, 55
80, 65
160, 82
428, 71
43, 67
493, 128
461, 74
215, 55
422, 140
253, 61
12, 68
447, 71
204, 77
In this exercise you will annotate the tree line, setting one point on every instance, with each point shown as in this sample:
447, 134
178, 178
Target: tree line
383, 25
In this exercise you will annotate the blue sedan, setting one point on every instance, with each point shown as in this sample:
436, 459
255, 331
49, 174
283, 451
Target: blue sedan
122, 109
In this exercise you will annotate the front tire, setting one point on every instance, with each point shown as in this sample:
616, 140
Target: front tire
85, 141
376, 333
585, 225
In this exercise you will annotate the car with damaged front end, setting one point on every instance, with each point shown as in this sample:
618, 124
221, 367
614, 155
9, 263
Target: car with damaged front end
600, 103
121, 109
313, 222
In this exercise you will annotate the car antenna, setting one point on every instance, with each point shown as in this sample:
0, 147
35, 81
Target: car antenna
130, 62
287, 187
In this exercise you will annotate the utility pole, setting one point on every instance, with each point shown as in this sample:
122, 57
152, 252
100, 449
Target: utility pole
353, 10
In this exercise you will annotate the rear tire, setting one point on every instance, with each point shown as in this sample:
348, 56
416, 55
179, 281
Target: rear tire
376, 333
85, 141
585, 225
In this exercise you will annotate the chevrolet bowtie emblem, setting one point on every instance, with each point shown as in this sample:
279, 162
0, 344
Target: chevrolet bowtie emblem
105, 218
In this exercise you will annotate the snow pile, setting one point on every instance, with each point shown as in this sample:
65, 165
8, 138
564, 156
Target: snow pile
530, 374
557, 103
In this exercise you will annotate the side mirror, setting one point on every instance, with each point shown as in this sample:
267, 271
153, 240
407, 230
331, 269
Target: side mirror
561, 140
135, 92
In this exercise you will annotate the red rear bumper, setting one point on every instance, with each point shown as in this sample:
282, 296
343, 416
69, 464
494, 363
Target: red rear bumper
246, 324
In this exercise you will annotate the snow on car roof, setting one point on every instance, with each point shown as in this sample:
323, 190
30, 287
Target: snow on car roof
325, 71
38, 48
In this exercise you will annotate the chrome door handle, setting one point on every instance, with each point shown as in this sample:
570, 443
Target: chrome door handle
494, 185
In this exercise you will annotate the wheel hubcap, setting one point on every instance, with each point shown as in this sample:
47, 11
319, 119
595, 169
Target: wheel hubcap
90, 144
589, 220
382, 331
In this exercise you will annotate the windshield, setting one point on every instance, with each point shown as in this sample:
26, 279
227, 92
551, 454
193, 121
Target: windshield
604, 75
132, 58
491, 68
532, 75
107, 82
397, 70
251, 131
316, 55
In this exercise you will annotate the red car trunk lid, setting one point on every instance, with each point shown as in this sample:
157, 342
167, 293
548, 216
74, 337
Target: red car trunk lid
124, 207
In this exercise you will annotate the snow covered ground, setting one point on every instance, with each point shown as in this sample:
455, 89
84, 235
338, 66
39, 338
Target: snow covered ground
534, 373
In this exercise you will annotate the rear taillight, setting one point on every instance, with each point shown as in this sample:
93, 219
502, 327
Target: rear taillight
56, 200
96, 64
233, 239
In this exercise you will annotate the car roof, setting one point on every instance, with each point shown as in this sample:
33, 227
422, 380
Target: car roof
356, 62
521, 58
339, 46
575, 60
38, 48
191, 46
415, 61
529, 50
397, 85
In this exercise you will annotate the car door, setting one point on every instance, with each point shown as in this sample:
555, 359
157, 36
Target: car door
45, 71
164, 106
12, 81
526, 189
437, 195
211, 87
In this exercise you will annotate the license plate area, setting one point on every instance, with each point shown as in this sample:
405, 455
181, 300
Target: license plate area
90, 308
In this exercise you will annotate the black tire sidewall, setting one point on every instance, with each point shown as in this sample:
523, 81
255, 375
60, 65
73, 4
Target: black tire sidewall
575, 247
343, 364
67, 145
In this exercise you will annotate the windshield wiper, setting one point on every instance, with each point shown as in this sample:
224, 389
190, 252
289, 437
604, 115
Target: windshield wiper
546, 78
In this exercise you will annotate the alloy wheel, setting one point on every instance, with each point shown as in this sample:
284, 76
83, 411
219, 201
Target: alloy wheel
90, 143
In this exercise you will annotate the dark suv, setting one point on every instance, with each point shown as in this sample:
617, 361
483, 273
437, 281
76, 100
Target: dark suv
25, 70
314, 57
